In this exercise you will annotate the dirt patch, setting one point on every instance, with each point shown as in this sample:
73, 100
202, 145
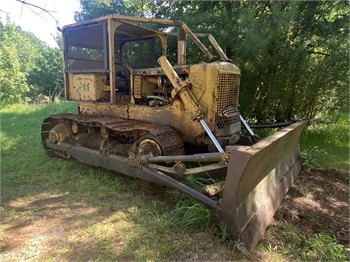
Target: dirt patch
318, 202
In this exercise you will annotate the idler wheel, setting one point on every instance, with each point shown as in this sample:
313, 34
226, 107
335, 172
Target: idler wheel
147, 145
59, 133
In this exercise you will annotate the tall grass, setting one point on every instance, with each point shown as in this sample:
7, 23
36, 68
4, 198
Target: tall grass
325, 142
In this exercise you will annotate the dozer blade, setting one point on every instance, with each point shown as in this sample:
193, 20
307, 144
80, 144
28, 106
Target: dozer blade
258, 178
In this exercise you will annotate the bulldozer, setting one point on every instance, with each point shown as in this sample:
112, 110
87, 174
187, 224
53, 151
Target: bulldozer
139, 115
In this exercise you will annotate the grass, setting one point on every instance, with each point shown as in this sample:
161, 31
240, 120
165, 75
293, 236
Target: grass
325, 143
53, 209
319, 247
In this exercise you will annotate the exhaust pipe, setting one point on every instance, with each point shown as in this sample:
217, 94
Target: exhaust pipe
181, 47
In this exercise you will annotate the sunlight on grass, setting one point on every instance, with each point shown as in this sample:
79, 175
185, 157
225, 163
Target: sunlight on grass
41, 109
325, 143
8, 141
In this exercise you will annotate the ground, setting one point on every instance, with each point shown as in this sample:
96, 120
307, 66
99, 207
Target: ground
316, 203
319, 203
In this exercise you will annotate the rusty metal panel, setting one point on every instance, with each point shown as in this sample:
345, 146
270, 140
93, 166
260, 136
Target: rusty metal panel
181, 70
158, 115
87, 86
257, 180
165, 136
216, 88
106, 109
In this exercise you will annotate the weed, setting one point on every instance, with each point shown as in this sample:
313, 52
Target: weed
159, 216
239, 247
324, 247
234, 245
197, 183
287, 240
189, 212
223, 234
212, 187
282, 239
308, 158
307, 190
272, 251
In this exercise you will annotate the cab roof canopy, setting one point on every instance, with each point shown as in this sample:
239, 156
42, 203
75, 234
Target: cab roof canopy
91, 33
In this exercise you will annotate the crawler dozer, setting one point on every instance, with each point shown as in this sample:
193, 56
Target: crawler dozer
143, 117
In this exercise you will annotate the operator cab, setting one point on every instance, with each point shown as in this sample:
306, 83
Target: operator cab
122, 69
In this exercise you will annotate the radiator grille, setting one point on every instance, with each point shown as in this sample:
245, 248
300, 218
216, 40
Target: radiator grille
227, 99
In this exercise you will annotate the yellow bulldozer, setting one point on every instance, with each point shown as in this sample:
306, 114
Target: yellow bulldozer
145, 118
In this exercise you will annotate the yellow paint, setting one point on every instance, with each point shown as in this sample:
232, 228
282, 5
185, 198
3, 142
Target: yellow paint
87, 87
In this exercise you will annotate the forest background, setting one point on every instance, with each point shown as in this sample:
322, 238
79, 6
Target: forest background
294, 55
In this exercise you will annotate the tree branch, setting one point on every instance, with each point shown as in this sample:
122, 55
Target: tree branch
38, 7
318, 53
4, 12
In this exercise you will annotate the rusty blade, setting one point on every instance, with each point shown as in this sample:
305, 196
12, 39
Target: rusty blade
257, 180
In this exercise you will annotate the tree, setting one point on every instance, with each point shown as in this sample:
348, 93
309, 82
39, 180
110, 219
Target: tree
28, 66
47, 74
96, 8
12, 78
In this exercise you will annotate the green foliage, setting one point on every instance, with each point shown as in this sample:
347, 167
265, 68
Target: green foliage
47, 74
292, 54
324, 248
12, 78
188, 212
28, 66
325, 142
96, 8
